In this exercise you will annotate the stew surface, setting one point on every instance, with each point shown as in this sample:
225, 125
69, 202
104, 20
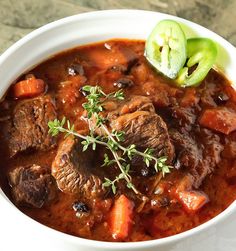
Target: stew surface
51, 180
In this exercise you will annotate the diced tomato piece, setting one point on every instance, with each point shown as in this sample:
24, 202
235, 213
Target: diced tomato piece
121, 217
219, 119
69, 90
192, 200
104, 58
28, 88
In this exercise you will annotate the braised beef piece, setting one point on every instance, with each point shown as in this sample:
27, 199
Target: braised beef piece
211, 151
32, 186
230, 150
188, 154
142, 127
194, 159
29, 125
183, 116
72, 170
130, 105
212, 94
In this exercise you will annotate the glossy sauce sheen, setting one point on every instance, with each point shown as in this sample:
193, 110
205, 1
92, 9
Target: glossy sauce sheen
154, 222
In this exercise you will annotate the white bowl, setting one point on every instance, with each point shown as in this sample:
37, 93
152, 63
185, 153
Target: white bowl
19, 232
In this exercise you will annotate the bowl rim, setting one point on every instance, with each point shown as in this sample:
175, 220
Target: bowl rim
103, 244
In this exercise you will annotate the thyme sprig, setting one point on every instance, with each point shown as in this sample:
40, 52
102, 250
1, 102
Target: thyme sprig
111, 140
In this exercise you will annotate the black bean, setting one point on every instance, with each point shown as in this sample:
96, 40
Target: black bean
177, 164
119, 68
144, 172
160, 202
84, 93
147, 172
76, 69
164, 202
80, 207
123, 83
221, 98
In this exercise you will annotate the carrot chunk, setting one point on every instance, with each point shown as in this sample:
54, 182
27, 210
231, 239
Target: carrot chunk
121, 217
219, 119
192, 200
28, 88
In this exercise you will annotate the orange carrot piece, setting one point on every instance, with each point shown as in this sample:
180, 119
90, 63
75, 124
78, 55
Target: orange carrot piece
192, 200
221, 120
28, 88
121, 217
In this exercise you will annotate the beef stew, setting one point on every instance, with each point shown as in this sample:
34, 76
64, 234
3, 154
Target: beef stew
53, 181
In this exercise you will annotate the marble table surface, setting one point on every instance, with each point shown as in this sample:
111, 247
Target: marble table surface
17, 18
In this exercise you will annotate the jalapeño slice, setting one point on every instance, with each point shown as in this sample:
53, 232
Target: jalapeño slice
166, 48
201, 54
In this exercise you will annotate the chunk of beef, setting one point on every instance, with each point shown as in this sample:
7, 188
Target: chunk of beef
183, 116
29, 126
72, 170
32, 186
230, 150
188, 154
160, 97
142, 127
146, 131
196, 161
211, 152
135, 103
208, 93
161, 93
